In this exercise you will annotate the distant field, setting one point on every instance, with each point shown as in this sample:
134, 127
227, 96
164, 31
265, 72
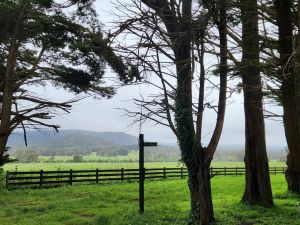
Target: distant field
166, 203
79, 166
132, 156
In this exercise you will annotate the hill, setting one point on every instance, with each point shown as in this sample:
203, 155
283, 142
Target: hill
71, 137
81, 142
74, 142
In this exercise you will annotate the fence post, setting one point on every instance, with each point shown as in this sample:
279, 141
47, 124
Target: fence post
225, 171
71, 177
211, 171
97, 175
181, 172
164, 172
7, 180
122, 174
41, 178
275, 170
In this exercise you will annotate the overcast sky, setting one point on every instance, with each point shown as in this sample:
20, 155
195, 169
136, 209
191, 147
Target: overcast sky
102, 115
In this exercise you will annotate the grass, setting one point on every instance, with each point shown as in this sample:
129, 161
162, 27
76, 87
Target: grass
79, 166
166, 203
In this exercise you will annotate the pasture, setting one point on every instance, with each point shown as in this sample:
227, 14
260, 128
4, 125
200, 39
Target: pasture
133, 165
132, 156
166, 203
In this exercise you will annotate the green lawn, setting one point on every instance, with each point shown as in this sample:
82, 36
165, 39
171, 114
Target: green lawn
167, 203
79, 166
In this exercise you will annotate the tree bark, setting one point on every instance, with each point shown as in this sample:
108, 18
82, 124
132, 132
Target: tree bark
8, 83
293, 170
200, 193
258, 185
7, 96
192, 152
290, 116
223, 67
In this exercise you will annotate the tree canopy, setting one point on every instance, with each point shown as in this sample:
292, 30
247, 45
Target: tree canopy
48, 42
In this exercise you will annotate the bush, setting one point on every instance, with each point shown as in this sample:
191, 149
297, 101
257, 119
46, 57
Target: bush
77, 158
5, 158
27, 156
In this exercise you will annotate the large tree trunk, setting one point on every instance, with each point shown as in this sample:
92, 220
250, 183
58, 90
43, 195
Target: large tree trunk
8, 82
200, 192
293, 170
7, 95
196, 158
192, 153
291, 127
257, 186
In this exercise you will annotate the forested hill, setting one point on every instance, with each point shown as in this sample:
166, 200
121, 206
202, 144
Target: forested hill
72, 137
81, 142
73, 141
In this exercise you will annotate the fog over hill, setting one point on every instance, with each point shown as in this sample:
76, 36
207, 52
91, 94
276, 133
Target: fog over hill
82, 142
71, 137
83, 138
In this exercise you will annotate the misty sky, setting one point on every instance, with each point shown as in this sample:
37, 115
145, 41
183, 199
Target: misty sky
102, 115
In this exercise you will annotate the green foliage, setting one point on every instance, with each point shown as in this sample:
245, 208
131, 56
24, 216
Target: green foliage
5, 159
77, 158
73, 51
54, 42
27, 156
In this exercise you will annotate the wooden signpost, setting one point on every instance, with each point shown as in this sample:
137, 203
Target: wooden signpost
142, 145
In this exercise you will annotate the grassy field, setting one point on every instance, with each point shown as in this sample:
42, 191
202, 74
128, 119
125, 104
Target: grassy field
79, 166
167, 203
132, 156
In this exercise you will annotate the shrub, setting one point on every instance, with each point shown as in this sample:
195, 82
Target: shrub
77, 158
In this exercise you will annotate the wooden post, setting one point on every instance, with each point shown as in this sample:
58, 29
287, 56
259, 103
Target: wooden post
225, 171
275, 170
141, 172
165, 173
7, 180
71, 177
142, 145
122, 174
97, 175
181, 172
41, 178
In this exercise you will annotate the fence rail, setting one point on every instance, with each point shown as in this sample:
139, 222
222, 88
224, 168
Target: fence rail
46, 179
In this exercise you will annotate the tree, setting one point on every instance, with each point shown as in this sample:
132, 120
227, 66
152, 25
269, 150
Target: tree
44, 41
27, 156
257, 186
280, 68
278, 73
289, 74
244, 35
170, 41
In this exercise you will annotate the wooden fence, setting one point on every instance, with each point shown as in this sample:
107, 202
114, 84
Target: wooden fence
46, 179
